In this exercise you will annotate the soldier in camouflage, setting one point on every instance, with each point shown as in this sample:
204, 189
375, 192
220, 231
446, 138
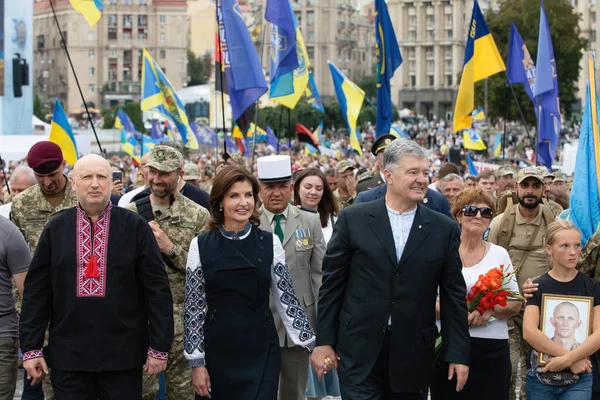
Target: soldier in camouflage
371, 179
175, 220
346, 191
549, 178
34, 207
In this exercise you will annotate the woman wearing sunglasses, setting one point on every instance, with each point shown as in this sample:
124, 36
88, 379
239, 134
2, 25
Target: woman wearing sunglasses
490, 367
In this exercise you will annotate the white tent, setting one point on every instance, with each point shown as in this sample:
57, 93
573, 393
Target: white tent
39, 125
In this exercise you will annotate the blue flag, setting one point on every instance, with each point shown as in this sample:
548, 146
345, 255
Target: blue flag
520, 67
388, 60
472, 170
585, 206
312, 94
204, 135
271, 138
155, 132
546, 91
243, 70
231, 145
284, 57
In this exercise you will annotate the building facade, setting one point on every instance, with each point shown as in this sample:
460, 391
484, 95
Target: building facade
587, 10
108, 57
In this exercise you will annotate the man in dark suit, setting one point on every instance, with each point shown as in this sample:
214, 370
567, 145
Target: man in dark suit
433, 200
379, 317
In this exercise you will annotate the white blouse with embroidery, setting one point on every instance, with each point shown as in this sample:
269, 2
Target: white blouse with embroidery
292, 315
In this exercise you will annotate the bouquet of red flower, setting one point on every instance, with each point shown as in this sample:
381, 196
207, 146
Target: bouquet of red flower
488, 291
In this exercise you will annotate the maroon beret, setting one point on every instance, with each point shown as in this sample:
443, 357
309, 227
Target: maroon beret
45, 157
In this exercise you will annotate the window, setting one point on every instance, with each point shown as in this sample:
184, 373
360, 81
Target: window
412, 35
91, 71
449, 34
449, 66
449, 21
593, 17
127, 56
431, 35
142, 20
311, 36
127, 35
163, 37
310, 18
412, 66
142, 2
112, 20
430, 66
430, 81
127, 2
593, 36
412, 21
163, 19
112, 71
448, 52
40, 42
127, 22
430, 21
311, 2
449, 80
163, 54
91, 89
91, 53
91, 35
411, 53
112, 2
126, 74
429, 52
310, 51
112, 53
413, 81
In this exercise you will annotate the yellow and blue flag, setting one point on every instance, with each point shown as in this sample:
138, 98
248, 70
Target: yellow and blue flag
388, 60
155, 132
498, 145
90, 9
482, 59
478, 115
261, 134
472, 169
399, 132
312, 94
318, 133
287, 85
243, 70
350, 97
284, 55
122, 121
62, 134
158, 95
585, 194
546, 91
472, 140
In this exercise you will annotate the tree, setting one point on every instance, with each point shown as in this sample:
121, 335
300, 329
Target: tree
134, 111
568, 50
108, 118
39, 108
200, 68
369, 84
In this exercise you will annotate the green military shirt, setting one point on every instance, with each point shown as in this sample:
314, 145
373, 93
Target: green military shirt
536, 262
589, 259
368, 181
344, 201
31, 211
181, 222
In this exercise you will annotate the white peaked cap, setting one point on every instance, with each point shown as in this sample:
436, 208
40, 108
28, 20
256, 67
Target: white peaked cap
274, 169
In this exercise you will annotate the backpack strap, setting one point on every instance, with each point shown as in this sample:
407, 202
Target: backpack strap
144, 208
507, 224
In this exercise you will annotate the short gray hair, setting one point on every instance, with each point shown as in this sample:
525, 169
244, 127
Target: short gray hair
23, 170
452, 177
398, 149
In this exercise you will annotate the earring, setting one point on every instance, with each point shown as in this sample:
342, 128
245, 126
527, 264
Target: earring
220, 208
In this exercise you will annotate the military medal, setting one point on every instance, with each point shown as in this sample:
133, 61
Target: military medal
299, 243
305, 242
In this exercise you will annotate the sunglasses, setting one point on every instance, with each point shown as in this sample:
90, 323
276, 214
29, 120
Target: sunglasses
471, 211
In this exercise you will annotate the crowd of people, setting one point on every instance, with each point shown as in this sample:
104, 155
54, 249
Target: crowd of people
294, 276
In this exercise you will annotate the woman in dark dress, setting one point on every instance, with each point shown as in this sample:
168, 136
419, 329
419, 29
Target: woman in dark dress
230, 339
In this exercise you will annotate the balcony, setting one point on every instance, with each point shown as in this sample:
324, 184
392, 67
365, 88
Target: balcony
126, 90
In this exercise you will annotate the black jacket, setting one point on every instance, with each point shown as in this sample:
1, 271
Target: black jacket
363, 285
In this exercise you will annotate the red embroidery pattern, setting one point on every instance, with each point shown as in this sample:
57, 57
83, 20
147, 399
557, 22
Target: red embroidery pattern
159, 355
92, 287
32, 354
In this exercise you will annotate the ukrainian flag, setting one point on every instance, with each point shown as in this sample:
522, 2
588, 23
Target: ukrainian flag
62, 134
158, 95
482, 59
252, 129
498, 145
122, 121
350, 98
90, 9
585, 194
472, 140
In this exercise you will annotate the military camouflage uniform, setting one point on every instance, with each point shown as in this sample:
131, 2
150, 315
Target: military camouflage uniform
554, 206
368, 181
181, 222
589, 260
343, 202
30, 212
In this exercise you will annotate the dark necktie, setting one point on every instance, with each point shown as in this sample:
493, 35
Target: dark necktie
278, 230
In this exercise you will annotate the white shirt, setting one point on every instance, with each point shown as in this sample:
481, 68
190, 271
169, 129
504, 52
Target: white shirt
496, 256
5, 210
282, 222
433, 186
127, 197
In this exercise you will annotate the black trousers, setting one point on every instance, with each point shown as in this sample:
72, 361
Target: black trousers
110, 385
377, 386
489, 373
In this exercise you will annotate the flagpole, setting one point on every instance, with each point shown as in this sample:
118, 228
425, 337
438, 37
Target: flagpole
75, 75
506, 84
280, 127
518, 106
262, 50
290, 129
221, 76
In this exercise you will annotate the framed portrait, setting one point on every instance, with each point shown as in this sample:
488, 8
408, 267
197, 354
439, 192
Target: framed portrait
566, 320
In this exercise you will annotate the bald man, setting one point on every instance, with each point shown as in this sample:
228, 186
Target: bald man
566, 321
98, 278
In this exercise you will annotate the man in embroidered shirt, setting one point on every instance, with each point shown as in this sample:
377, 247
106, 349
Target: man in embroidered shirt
97, 276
